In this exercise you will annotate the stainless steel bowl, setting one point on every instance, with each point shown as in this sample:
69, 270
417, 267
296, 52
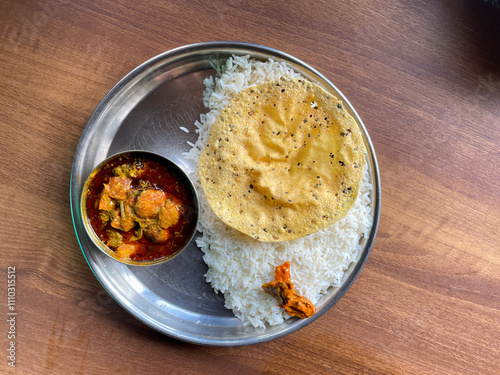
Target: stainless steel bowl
182, 178
145, 110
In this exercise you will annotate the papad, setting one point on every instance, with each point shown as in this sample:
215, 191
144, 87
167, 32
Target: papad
284, 159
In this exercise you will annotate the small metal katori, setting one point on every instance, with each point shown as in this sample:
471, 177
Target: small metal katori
154, 108
190, 208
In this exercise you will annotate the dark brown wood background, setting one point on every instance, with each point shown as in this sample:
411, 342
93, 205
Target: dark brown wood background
425, 78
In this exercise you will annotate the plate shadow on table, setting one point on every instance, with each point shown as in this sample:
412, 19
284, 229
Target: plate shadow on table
470, 49
484, 21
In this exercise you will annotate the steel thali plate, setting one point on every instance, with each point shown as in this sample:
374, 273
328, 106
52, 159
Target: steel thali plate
145, 111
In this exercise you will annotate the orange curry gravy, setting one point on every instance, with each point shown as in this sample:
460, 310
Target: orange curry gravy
140, 209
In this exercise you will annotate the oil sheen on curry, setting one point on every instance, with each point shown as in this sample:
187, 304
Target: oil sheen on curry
139, 208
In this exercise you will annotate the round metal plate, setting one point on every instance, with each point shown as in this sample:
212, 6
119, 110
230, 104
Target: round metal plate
145, 111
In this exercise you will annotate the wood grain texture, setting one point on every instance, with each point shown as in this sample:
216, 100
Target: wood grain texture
425, 78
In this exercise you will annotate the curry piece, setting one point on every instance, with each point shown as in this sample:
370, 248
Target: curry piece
149, 202
155, 214
125, 251
157, 234
123, 216
282, 289
169, 214
106, 203
166, 215
119, 187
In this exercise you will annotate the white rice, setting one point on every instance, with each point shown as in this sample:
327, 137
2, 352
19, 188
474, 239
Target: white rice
237, 264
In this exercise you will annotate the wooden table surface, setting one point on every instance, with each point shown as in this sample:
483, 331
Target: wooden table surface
424, 77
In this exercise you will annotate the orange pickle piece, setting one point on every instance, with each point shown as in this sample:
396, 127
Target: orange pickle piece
282, 289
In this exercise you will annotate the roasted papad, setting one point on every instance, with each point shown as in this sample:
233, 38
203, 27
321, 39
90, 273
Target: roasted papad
284, 159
